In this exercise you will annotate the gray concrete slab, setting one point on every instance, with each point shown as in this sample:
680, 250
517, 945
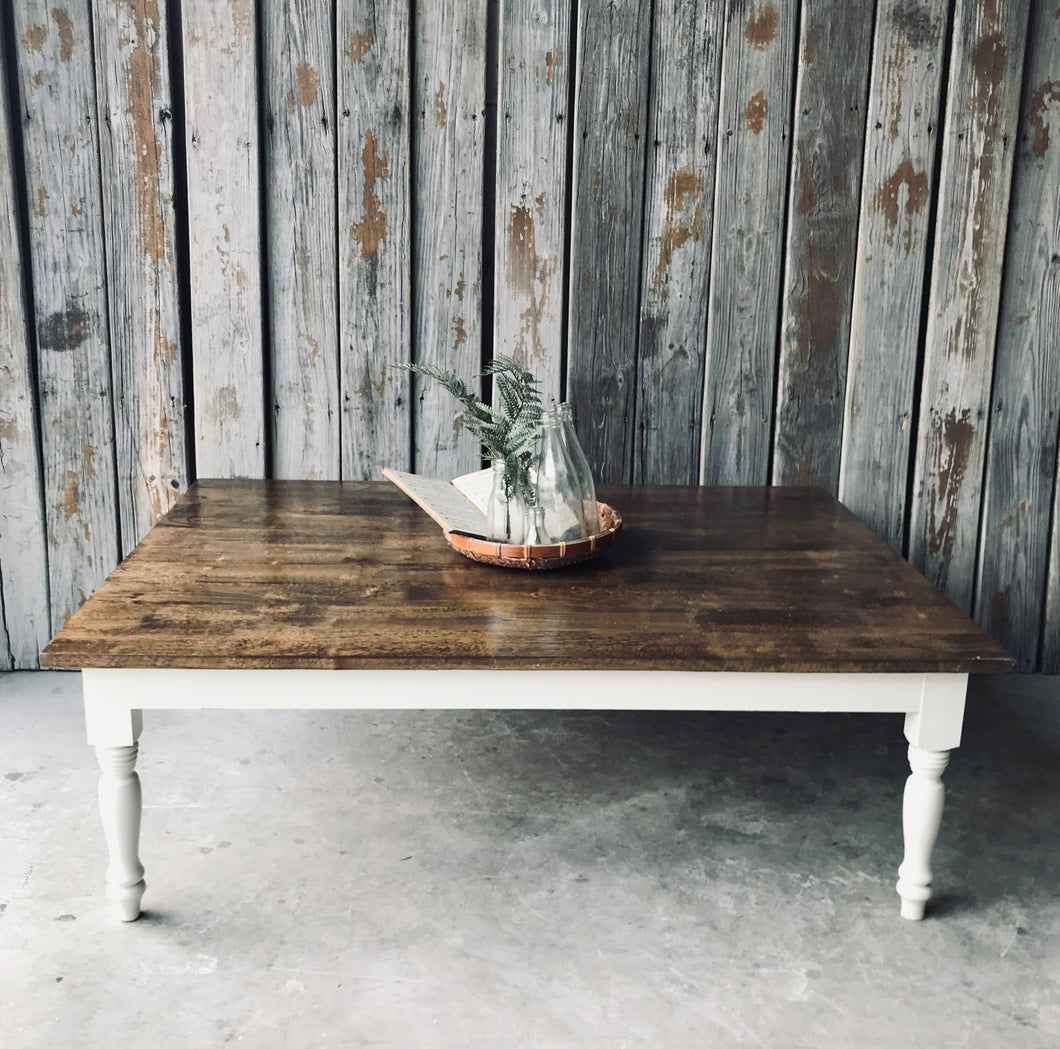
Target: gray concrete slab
487, 879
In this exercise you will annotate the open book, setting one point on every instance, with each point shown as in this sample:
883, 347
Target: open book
458, 505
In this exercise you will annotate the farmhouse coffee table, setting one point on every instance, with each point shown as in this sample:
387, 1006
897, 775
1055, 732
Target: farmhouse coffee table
314, 595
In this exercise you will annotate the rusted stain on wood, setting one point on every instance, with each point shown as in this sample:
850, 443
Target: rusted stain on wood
308, 84
675, 233
522, 253
372, 228
459, 332
761, 31
529, 275
549, 62
952, 438
439, 105
163, 439
361, 42
242, 17
887, 199
66, 33
808, 194
1044, 95
34, 37
820, 316
1001, 611
71, 504
226, 404
65, 330
989, 61
89, 453
166, 352
755, 113
42, 196
809, 45
140, 77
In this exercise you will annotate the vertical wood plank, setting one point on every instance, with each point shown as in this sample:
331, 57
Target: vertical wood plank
1049, 663
532, 187
300, 233
678, 221
982, 110
610, 137
220, 86
893, 230
1021, 457
823, 204
23, 557
449, 100
375, 235
756, 88
136, 143
64, 204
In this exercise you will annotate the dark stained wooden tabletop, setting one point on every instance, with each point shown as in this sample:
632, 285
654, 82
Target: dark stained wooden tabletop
282, 574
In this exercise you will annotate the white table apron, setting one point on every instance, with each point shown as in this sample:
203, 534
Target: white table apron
933, 705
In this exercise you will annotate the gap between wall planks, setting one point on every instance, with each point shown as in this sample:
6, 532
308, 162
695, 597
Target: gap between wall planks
299, 182
639, 259
982, 108
136, 140
374, 235
24, 626
821, 244
893, 233
64, 206
221, 106
1021, 464
748, 247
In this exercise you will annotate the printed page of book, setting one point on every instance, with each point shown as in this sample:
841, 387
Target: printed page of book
442, 502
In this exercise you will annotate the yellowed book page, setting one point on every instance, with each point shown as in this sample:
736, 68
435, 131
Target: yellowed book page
476, 487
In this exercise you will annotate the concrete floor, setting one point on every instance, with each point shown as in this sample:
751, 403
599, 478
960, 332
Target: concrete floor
530, 880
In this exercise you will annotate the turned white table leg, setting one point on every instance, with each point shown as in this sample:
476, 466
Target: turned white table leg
119, 808
114, 728
933, 729
921, 819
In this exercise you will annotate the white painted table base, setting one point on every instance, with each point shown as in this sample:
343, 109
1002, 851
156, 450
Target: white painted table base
933, 705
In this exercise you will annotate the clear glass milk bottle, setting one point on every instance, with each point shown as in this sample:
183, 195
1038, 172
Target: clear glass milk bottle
581, 467
506, 510
557, 483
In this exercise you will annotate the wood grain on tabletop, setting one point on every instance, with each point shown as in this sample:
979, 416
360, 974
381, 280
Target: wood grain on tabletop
266, 574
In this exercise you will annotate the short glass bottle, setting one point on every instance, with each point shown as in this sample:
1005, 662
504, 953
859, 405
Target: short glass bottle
506, 509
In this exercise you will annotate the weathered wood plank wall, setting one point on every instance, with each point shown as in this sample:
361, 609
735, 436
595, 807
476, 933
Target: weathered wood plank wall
24, 622
760, 240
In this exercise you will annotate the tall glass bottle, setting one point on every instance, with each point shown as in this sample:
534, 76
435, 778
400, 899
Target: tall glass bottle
581, 466
557, 483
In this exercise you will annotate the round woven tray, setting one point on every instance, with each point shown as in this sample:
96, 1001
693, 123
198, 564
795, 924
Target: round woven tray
551, 555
